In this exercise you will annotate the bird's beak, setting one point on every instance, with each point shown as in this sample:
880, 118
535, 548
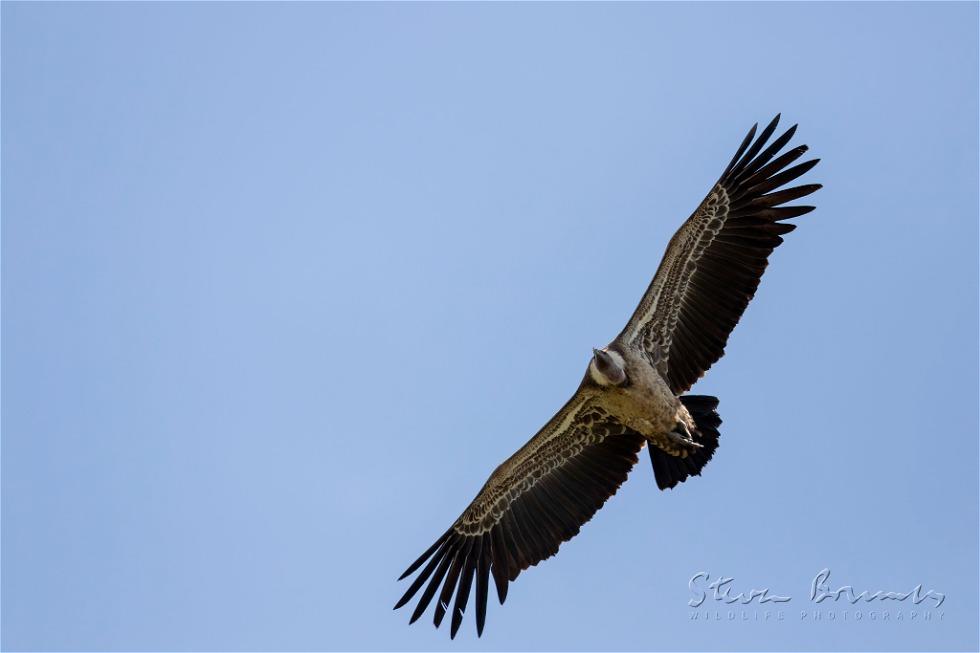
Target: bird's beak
601, 357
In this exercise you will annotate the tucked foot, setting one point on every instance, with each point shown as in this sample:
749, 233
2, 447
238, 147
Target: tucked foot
681, 437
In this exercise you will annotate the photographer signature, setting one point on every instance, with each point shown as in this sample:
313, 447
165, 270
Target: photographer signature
820, 590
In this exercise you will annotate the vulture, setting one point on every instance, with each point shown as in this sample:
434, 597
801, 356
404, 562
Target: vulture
633, 392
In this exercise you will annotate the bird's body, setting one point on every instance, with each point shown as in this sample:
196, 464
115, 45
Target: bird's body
644, 403
633, 393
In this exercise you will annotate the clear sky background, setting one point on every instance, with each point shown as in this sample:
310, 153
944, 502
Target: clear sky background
282, 284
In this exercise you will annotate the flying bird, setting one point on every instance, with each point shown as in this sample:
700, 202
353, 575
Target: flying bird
633, 392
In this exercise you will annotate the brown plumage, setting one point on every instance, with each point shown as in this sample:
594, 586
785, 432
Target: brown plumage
541, 496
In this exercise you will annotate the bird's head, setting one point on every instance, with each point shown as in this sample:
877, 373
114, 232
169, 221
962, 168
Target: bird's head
607, 367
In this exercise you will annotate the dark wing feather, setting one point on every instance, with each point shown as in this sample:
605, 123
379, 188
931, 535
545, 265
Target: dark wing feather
531, 504
714, 262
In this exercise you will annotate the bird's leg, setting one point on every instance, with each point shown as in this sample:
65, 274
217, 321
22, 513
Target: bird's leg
681, 436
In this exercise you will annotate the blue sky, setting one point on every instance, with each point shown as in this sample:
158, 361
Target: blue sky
282, 284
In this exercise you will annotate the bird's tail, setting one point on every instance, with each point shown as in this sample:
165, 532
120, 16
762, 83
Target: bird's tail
670, 470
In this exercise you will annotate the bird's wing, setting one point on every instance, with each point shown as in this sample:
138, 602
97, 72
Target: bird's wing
537, 499
714, 262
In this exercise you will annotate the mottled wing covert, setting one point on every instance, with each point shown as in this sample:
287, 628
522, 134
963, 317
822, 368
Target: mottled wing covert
537, 499
714, 262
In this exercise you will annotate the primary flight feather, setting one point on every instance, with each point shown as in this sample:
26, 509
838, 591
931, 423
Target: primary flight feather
632, 393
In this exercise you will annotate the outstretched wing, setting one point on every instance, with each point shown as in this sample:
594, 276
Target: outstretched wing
537, 499
714, 262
